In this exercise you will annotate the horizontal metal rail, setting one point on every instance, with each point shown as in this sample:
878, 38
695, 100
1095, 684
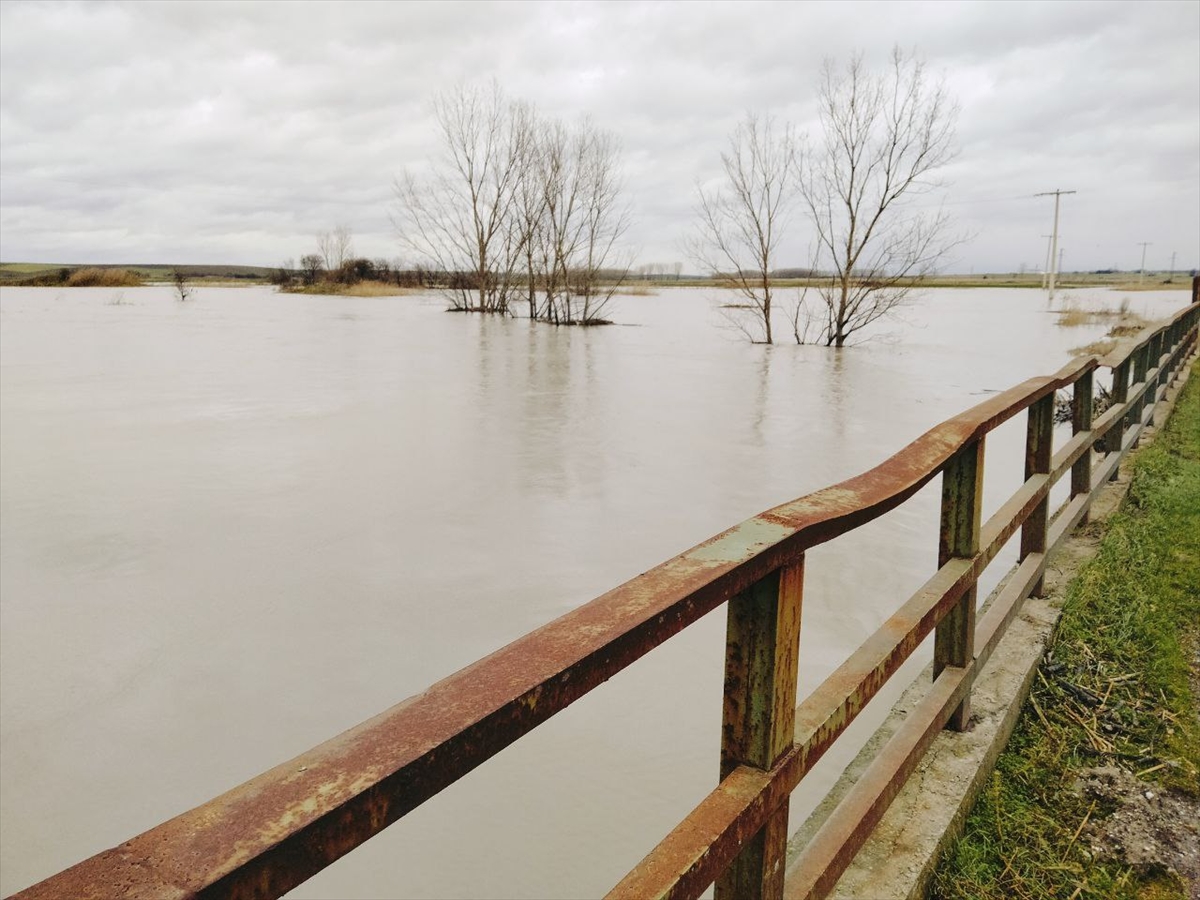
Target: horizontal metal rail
268, 835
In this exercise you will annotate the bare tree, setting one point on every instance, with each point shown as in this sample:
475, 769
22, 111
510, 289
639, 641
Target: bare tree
519, 208
311, 266
555, 235
183, 289
575, 241
458, 218
598, 268
336, 247
530, 201
884, 136
741, 224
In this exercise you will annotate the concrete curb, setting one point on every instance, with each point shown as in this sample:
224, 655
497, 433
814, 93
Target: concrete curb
899, 859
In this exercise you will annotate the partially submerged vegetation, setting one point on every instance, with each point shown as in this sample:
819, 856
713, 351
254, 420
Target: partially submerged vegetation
885, 134
1123, 323
336, 270
637, 290
521, 209
1098, 793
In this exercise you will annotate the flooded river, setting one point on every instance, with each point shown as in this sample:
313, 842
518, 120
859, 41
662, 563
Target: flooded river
232, 528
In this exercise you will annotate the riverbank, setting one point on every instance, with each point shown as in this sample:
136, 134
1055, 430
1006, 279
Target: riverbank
1098, 793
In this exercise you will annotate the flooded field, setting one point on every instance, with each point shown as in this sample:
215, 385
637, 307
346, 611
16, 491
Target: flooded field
232, 528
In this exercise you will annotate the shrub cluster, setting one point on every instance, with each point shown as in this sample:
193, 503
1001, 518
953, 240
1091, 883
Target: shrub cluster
313, 272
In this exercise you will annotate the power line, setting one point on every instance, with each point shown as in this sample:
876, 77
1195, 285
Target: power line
1056, 194
1142, 270
1046, 268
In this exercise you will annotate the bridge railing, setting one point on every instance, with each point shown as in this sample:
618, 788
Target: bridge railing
268, 835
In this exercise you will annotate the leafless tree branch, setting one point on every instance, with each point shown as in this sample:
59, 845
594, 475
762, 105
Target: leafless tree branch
740, 225
884, 136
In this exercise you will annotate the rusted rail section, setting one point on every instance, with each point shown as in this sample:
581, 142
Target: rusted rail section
270, 834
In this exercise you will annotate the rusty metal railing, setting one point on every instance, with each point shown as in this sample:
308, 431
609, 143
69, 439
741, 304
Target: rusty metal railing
270, 834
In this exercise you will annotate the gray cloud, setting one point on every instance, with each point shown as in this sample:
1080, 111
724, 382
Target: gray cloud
234, 132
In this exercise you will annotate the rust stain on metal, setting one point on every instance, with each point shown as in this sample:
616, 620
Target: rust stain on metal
820, 719
826, 857
686, 862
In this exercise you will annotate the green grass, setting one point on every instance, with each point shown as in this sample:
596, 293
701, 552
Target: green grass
1128, 624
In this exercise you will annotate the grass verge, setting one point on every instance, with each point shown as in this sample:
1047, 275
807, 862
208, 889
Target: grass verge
1116, 694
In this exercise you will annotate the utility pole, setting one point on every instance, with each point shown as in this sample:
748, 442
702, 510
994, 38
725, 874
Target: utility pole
1046, 268
1172, 263
1061, 251
1142, 270
1056, 194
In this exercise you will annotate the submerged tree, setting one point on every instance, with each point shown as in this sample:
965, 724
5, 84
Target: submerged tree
459, 217
741, 223
582, 217
883, 138
518, 208
183, 288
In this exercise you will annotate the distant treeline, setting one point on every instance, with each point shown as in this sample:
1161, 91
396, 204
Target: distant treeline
312, 271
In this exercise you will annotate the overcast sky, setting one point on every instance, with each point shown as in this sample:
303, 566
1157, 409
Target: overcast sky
234, 132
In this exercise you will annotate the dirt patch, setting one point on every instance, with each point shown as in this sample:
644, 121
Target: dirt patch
1150, 829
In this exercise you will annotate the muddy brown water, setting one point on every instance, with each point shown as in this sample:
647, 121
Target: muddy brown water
232, 528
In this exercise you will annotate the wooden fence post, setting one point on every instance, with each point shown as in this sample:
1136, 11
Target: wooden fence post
962, 513
761, 646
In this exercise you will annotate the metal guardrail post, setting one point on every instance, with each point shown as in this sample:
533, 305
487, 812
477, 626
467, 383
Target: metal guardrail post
1141, 365
762, 642
1120, 393
1153, 359
1169, 343
962, 514
1162, 345
1081, 420
1039, 441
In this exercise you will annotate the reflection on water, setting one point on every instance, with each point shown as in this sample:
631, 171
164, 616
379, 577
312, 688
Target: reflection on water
232, 528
